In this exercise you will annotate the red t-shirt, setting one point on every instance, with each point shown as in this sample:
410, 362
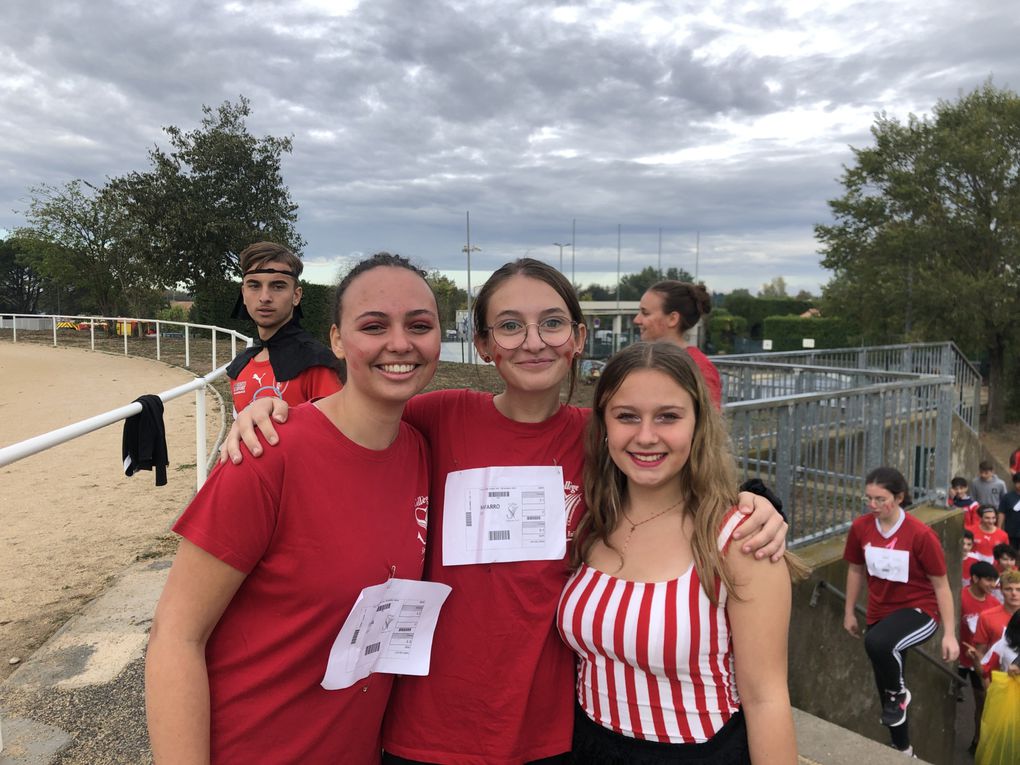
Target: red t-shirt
991, 625
970, 611
984, 542
969, 560
911, 548
710, 373
256, 380
500, 686
311, 523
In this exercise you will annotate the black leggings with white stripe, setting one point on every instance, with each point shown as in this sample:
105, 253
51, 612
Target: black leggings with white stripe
886, 641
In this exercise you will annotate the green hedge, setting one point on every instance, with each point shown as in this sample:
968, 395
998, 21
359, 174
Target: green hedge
757, 309
788, 332
215, 301
722, 328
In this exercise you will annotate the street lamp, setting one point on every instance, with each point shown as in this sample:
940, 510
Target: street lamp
468, 249
561, 246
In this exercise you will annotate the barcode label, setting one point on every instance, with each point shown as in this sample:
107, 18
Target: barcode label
499, 535
467, 521
354, 640
383, 606
495, 493
370, 649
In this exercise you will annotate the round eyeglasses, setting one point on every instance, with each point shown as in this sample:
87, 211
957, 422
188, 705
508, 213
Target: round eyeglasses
877, 501
510, 334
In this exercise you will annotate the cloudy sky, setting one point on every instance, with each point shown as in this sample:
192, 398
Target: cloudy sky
730, 119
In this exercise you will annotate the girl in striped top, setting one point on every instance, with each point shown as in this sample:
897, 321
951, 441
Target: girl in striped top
681, 644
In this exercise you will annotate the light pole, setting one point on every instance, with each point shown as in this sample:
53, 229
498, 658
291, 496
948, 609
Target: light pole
573, 238
468, 249
561, 246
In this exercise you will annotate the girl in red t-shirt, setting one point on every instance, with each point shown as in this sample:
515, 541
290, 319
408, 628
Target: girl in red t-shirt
900, 561
669, 309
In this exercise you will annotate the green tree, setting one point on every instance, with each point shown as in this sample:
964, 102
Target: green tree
21, 285
215, 191
774, 289
449, 298
633, 286
926, 239
81, 236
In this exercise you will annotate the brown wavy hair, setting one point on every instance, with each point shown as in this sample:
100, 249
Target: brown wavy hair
707, 480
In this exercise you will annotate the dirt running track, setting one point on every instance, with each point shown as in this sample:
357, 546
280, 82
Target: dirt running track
69, 518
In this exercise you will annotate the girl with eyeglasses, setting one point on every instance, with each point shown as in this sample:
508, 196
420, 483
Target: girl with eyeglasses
500, 683
900, 562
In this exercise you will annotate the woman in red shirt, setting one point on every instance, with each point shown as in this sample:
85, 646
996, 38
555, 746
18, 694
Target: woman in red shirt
668, 310
900, 561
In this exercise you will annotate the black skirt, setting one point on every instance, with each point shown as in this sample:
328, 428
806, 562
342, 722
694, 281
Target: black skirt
595, 745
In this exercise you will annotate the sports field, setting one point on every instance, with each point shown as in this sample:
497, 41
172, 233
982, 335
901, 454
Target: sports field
69, 518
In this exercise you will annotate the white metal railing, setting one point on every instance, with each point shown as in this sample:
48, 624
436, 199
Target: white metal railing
33, 325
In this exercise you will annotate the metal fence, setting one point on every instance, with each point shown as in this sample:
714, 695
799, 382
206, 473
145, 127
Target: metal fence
918, 358
814, 432
180, 343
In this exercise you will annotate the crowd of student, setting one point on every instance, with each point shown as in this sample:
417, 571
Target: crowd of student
990, 581
640, 615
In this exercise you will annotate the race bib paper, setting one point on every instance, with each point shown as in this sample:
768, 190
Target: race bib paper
504, 514
893, 565
389, 630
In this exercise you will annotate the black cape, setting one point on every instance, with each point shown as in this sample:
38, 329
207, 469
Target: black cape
292, 350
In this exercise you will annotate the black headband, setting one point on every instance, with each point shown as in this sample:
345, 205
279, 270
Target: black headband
269, 271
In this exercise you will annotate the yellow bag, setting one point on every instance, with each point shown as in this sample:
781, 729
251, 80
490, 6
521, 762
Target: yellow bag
1000, 723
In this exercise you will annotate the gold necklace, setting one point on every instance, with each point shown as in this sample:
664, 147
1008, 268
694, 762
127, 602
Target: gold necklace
633, 526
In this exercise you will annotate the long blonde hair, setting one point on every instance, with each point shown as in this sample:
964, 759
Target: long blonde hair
708, 480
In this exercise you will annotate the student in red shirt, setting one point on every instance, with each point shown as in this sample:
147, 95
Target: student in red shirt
975, 599
275, 552
959, 497
668, 310
993, 621
900, 561
987, 535
500, 685
286, 361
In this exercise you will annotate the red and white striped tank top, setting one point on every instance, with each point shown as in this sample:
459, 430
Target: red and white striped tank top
656, 660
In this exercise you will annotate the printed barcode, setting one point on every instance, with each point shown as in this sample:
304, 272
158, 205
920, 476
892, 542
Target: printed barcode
383, 606
354, 640
495, 493
500, 534
468, 521
370, 649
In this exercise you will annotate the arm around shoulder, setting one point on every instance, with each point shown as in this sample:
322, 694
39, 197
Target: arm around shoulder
759, 616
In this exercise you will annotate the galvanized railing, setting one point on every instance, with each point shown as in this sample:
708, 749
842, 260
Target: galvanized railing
179, 342
918, 358
813, 433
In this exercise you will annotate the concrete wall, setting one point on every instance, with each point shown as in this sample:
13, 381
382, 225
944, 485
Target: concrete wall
965, 451
830, 675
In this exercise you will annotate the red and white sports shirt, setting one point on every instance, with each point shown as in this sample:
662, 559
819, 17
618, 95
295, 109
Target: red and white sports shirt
656, 659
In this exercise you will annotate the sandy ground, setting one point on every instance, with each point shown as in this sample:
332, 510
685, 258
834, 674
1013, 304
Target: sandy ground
69, 518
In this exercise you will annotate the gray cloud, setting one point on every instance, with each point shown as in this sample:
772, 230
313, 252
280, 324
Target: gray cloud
530, 114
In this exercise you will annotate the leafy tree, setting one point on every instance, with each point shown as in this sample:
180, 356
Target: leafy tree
449, 298
804, 295
21, 286
82, 236
215, 191
774, 289
597, 292
926, 239
633, 286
